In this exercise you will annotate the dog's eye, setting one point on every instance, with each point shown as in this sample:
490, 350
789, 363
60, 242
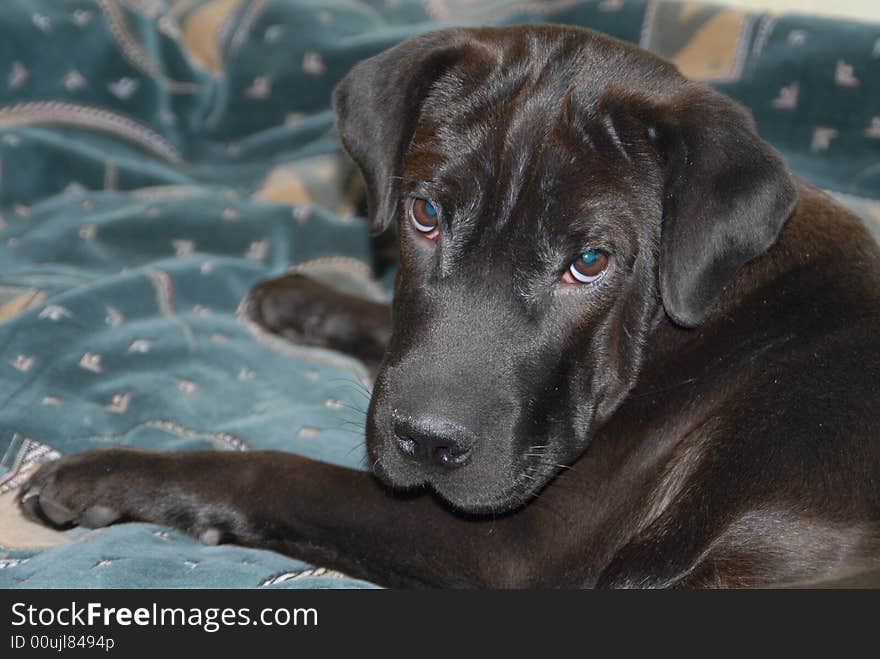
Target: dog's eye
587, 268
424, 217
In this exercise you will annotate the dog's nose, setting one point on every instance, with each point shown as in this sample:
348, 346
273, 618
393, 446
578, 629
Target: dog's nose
432, 441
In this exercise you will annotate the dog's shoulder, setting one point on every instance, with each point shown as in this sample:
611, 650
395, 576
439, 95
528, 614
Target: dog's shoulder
787, 372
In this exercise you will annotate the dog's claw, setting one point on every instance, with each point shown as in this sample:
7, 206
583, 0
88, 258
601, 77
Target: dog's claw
58, 514
211, 536
29, 501
43, 509
29, 494
98, 516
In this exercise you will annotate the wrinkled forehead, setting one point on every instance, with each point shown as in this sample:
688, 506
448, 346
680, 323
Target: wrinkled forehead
484, 106
512, 95
512, 141
506, 142
525, 83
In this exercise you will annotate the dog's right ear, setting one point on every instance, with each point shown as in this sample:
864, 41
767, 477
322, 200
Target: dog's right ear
377, 106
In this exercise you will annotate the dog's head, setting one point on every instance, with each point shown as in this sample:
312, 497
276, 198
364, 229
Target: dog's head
555, 193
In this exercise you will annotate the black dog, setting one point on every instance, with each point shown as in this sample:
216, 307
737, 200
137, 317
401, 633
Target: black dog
628, 348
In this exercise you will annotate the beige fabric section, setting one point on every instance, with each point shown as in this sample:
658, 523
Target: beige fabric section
858, 9
711, 52
17, 532
14, 306
689, 9
283, 186
200, 33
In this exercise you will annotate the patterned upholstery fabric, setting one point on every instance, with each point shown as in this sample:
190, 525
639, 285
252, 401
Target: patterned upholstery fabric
158, 157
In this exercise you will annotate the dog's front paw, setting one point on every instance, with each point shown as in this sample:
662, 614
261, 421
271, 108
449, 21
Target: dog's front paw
300, 309
87, 489
308, 312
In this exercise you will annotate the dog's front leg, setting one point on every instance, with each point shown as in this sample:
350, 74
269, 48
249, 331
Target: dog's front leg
318, 512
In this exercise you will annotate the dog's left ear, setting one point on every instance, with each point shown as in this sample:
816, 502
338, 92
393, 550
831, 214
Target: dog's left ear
377, 106
727, 196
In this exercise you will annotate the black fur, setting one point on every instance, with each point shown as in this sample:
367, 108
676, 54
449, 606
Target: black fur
704, 415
